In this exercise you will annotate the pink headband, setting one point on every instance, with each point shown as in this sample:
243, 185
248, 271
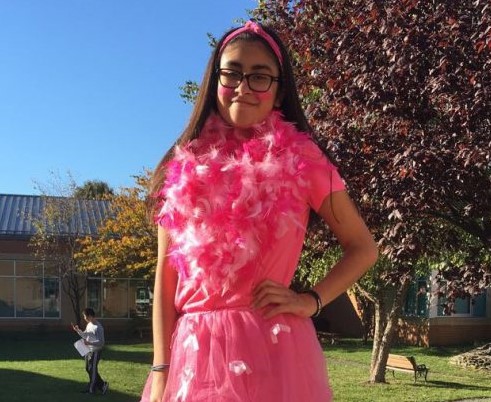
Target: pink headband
251, 26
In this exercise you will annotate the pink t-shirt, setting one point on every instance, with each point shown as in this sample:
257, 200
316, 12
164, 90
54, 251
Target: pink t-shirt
280, 259
236, 210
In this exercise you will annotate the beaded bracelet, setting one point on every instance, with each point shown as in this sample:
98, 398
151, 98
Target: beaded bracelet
318, 300
160, 367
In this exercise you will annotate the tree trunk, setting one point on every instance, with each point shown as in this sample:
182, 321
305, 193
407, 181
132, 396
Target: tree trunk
365, 307
387, 313
379, 325
75, 291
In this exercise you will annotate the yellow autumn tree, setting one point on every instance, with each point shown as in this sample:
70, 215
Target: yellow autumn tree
126, 245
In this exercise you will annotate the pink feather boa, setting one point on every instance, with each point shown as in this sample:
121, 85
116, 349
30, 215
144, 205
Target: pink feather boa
227, 198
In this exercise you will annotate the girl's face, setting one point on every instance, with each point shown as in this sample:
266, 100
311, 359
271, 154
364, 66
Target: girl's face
242, 107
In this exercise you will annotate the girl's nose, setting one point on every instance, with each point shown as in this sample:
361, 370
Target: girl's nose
243, 87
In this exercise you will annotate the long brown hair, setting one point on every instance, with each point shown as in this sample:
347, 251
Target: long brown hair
206, 103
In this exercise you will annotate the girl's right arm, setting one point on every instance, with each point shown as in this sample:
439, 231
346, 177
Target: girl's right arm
163, 315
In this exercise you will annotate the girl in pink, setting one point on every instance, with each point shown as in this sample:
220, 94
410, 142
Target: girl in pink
232, 201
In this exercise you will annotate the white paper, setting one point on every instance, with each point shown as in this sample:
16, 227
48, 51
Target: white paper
81, 347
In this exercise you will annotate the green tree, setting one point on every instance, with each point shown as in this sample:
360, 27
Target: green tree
58, 228
56, 232
189, 91
54, 241
126, 244
93, 190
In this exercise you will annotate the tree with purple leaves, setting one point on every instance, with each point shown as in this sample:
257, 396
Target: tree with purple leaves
400, 93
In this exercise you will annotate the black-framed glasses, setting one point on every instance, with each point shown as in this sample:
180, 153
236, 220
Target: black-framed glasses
257, 82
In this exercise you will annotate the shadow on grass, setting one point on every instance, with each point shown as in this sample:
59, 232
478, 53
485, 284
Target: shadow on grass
127, 356
444, 351
23, 386
451, 385
62, 349
348, 346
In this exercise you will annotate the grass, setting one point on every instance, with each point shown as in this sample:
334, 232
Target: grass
349, 363
51, 370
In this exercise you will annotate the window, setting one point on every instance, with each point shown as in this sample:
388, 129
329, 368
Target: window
29, 297
94, 295
140, 299
29, 289
7, 268
32, 289
417, 299
119, 298
7, 297
478, 305
51, 297
471, 307
28, 268
115, 298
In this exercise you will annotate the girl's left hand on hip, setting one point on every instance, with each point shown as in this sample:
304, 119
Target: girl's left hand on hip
272, 298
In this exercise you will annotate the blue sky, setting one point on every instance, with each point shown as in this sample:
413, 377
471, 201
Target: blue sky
91, 87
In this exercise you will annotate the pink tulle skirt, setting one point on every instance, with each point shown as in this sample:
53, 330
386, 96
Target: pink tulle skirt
235, 355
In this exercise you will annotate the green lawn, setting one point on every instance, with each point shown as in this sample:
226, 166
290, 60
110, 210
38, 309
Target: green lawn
51, 370
349, 363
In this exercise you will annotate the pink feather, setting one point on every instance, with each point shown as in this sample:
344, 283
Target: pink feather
226, 198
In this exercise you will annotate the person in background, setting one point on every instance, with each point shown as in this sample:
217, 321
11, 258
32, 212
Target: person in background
93, 337
232, 201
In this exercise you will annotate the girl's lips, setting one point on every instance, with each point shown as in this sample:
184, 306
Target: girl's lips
244, 102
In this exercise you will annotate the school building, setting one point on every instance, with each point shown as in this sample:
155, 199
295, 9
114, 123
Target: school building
32, 296
423, 321
31, 290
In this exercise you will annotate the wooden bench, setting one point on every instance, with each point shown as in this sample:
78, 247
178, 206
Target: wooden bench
406, 364
328, 337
